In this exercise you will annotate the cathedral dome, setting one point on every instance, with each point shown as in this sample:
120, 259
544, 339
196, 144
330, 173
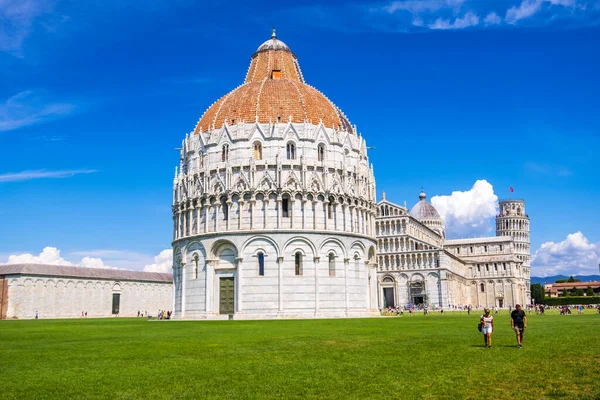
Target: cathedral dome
274, 91
424, 210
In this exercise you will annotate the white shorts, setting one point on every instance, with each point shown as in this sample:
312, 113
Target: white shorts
487, 330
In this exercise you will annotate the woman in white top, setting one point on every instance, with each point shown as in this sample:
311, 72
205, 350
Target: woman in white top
488, 326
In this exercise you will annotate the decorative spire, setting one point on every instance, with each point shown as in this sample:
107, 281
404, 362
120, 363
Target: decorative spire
422, 196
273, 34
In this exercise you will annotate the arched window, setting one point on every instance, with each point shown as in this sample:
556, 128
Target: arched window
225, 153
285, 207
200, 160
356, 262
298, 263
257, 150
482, 287
261, 263
331, 264
321, 152
196, 266
291, 151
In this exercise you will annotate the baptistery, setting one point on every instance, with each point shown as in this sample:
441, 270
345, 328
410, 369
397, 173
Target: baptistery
274, 203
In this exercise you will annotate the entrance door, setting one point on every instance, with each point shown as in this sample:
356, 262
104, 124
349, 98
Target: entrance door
418, 300
226, 296
500, 303
388, 297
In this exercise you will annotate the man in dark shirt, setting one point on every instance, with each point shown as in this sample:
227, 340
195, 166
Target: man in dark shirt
518, 322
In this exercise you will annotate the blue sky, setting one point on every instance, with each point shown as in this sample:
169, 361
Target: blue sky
94, 99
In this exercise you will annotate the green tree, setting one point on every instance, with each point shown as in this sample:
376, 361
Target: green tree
572, 279
578, 292
537, 293
561, 281
565, 293
590, 291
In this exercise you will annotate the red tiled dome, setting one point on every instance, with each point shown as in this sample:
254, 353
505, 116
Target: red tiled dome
273, 91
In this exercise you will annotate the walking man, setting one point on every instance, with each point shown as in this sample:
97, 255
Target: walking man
518, 322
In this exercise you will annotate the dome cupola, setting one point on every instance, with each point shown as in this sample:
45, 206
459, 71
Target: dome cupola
426, 213
274, 91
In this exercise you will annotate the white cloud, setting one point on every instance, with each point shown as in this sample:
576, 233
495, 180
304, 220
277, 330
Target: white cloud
469, 19
51, 255
526, 9
18, 18
114, 259
492, 19
573, 256
420, 6
29, 108
40, 174
163, 262
468, 213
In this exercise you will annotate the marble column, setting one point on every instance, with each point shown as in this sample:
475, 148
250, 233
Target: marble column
316, 260
238, 284
346, 297
280, 281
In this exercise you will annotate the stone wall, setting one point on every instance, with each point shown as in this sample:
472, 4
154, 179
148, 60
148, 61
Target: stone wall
63, 297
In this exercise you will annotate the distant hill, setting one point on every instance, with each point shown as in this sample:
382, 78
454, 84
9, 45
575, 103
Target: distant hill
554, 278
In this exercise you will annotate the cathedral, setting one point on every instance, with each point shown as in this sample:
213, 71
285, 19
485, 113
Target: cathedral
275, 216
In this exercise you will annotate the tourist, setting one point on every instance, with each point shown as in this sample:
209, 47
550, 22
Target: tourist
518, 322
496, 310
36, 315
488, 326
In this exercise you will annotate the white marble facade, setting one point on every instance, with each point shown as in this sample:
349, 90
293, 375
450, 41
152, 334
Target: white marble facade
418, 265
317, 203
66, 292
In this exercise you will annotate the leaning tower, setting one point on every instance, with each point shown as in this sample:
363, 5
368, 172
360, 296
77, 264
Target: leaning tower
513, 221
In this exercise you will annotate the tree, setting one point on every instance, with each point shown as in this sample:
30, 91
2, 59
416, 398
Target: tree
537, 293
565, 293
561, 281
577, 292
572, 279
590, 291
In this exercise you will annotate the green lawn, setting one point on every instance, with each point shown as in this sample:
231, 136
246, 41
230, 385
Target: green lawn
393, 357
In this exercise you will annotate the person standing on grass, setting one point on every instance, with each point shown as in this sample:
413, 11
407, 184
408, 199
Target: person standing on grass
488, 327
518, 322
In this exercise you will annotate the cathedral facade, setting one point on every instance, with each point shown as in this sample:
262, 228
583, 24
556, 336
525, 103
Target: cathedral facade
417, 265
275, 216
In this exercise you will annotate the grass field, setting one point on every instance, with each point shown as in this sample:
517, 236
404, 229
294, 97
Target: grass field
394, 357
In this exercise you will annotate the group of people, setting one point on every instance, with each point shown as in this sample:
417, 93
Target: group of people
518, 323
164, 314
